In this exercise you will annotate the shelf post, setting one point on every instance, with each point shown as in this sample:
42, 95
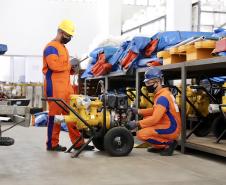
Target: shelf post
183, 108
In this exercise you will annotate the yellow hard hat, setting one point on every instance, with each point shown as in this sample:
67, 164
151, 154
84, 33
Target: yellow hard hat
67, 26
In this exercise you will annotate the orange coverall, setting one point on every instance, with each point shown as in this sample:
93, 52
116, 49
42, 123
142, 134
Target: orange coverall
162, 123
57, 70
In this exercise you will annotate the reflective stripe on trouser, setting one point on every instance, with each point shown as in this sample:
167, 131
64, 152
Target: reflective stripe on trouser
53, 132
151, 136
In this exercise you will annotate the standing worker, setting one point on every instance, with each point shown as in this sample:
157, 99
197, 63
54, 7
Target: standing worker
161, 125
57, 70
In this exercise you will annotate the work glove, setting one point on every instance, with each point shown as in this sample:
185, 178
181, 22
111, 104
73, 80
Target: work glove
132, 125
134, 110
59, 119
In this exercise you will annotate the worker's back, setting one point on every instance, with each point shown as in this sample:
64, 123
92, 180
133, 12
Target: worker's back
172, 116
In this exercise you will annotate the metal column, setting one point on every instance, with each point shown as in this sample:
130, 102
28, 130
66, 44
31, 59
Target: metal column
106, 83
137, 91
85, 86
183, 108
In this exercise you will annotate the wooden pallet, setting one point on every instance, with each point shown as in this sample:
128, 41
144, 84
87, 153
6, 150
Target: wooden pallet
195, 51
200, 50
171, 56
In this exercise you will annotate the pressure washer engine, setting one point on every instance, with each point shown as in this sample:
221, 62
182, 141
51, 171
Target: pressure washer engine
117, 104
103, 119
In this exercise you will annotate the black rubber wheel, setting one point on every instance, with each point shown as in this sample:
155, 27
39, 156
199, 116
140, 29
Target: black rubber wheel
99, 143
6, 141
219, 126
205, 127
118, 141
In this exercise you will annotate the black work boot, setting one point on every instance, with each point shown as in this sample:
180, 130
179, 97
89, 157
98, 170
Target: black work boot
87, 148
155, 150
57, 148
169, 151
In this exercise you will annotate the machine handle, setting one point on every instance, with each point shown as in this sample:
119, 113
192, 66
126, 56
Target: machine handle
221, 111
57, 100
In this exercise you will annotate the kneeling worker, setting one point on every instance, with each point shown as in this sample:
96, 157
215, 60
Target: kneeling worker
161, 125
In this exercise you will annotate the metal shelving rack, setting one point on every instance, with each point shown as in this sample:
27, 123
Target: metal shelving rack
184, 70
192, 69
114, 75
209, 67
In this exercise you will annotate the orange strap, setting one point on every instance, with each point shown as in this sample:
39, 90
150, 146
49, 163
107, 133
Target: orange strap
128, 59
101, 67
151, 47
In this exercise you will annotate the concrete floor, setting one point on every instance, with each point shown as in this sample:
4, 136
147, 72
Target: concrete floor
28, 163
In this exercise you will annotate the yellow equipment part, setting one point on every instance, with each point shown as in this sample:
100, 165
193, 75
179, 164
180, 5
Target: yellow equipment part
128, 93
199, 99
144, 103
190, 96
88, 112
224, 98
202, 103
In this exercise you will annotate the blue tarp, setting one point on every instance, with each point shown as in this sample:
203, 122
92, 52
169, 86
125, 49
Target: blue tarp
88, 73
223, 53
220, 32
143, 62
138, 44
171, 38
41, 120
220, 79
114, 60
108, 51
3, 49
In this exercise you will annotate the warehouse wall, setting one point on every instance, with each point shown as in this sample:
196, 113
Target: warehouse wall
27, 25
129, 10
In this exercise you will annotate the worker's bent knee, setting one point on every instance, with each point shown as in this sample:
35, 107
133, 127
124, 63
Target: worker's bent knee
140, 135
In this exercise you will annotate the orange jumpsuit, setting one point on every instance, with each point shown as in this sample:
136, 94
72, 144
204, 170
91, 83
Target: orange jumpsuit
162, 123
57, 70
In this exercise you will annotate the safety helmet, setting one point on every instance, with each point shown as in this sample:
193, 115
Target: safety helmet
67, 26
152, 73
